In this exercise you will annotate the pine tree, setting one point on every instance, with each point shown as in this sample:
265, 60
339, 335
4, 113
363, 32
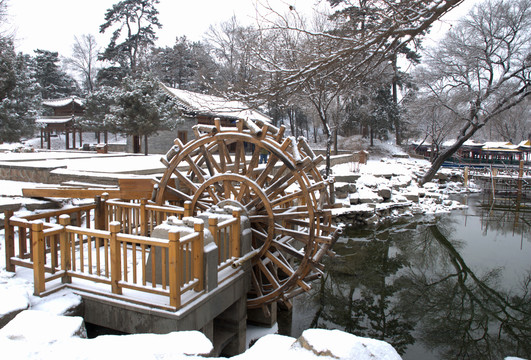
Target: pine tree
19, 94
138, 18
54, 82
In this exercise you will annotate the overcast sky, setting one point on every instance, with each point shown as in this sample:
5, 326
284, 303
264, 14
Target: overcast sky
52, 24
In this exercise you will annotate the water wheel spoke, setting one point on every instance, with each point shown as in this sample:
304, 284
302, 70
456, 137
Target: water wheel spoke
284, 266
265, 174
185, 181
283, 245
253, 163
210, 162
179, 194
295, 234
195, 170
256, 282
239, 161
273, 282
222, 152
244, 190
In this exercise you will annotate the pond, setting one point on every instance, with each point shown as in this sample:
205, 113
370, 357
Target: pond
454, 286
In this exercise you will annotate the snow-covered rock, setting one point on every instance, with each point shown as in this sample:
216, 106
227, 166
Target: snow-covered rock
341, 345
13, 301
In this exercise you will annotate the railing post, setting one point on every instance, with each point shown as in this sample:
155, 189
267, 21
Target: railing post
99, 213
175, 282
64, 221
37, 242
187, 208
9, 240
236, 233
116, 268
197, 255
143, 218
213, 227
104, 198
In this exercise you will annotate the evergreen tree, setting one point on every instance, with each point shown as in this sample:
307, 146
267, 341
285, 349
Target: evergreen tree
19, 94
54, 82
137, 18
187, 65
139, 108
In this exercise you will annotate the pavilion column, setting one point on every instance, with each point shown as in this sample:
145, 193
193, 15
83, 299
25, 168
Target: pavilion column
67, 139
80, 138
49, 138
42, 138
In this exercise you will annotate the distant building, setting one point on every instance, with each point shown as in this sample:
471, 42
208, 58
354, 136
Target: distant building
196, 108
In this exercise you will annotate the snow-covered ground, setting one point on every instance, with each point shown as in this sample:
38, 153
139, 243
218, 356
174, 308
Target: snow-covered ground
41, 332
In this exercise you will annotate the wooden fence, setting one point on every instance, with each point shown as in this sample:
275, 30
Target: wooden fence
66, 244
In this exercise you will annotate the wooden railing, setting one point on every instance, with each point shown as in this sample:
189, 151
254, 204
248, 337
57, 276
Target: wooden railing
224, 232
139, 218
117, 256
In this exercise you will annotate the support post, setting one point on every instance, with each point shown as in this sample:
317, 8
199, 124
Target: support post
465, 176
37, 241
99, 213
520, 176
116, 268
213, 227
187, 208
236, 234
64, 221
9, 240
197, 255
143, 218
175, 282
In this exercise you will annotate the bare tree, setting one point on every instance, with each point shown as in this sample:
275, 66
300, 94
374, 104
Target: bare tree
513, 125
83, 61
481, 69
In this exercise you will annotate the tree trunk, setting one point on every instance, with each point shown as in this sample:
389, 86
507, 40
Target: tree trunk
446, 154
145, 144
398, 136
335, 140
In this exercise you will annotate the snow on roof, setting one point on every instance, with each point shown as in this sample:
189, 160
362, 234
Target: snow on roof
499, 146
210, 105
54, 120
525, 144
64, 101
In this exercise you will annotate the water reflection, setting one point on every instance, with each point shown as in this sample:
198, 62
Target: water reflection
439, 289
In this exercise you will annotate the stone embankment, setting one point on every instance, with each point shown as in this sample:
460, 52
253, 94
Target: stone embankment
388, 189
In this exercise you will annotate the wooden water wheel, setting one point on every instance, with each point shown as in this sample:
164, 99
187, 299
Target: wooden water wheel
285, 199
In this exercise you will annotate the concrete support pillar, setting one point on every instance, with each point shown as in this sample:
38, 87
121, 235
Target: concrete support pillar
232, 321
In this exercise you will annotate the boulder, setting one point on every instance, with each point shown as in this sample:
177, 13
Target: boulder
384, 192
34, 327
337, 344
13, 301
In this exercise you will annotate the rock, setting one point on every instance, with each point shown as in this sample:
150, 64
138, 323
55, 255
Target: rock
385, 193
342, 190
13, 301
411, 196
354, 199
348, 178
344, 346
373, 220
63, 302
33, 326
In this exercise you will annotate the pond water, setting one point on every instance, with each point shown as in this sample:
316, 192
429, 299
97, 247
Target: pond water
454, 286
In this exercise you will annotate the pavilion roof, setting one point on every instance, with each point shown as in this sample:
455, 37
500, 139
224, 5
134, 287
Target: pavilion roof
202, 104
64, 101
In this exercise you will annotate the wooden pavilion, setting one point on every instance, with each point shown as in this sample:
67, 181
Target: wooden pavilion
65, 119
